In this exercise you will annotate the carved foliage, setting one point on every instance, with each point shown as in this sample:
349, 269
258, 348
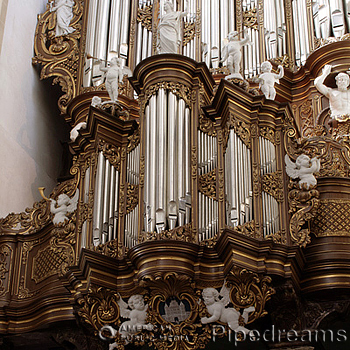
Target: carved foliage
99, 308
5, 262
242, 129
134, 141
273, 184
132, 199
181, 233
189, 32
303, 204
111, 152
206, 125
207, 184
111, 248
59, 56
144, 16
249, 289
250, 18
247, 229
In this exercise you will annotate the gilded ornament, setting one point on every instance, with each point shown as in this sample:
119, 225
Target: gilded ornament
113, 249
132, 197
242, 129
207, 184
59, 55
319, 42
285, 61
194, 162
273, 185
209, 243
303, 203
134, 141
256, 179
189, 32
206, 125
250, 18
111, 152
180, 233
221, 183
247, 229
268, 134
278, 237
144, 16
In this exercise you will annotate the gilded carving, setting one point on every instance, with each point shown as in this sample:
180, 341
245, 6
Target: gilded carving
144, 16
134, 141
273, 184
181, 233
132, 197
332, 218
209, 243
5, 262
206, 125
189, 32
112, 249
178, 89
207, 184
99, 308
242, 129
256, 179
194, 162
59, 55
319, 42
121, 200
249, 289
246, 229
250, 18
111, 152
303, 204
142, 171
221, 183
285, 61
268, 133
278, 237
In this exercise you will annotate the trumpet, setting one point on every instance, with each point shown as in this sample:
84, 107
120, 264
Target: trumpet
95, 58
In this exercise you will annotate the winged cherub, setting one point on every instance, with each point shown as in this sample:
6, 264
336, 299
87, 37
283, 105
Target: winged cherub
63, 206
114, 75
216, 307
137, 317
304, 169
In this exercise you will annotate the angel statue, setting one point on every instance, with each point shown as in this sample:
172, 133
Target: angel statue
114, 75
304, 169
216, 307
75, 131
62, 206
137, 317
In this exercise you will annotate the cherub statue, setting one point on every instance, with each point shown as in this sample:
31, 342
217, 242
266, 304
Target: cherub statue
62, 206
137, 316
64, 15
75, 131
304, 169
267, 80
232, 53
219, 312
96, 101
114, 75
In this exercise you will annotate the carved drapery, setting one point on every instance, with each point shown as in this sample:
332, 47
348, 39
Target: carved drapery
59, 56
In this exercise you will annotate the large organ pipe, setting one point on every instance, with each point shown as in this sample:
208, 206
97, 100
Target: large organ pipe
114, 28
111, 205
116, 201
97, 224
106, 195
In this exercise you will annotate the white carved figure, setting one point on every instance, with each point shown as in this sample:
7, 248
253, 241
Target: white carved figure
114, 75
232, 53
216, 307
169, 29
267, 80
96, 101
339, 98
62, 206
303, 168
137, 315
75, 131
64, 15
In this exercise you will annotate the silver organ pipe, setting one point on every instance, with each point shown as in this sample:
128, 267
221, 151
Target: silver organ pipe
269, 203
238, 183
167, 153
105, 215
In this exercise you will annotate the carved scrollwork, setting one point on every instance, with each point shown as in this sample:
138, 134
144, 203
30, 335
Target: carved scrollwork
178, 89
111, 152
207, 184
99, 308
181, 233
247, 229
242, 129
191, 335
206, 125
112, 249
189, 32
278, 237
134, 141
273, 184
250, 18
303, 204
284, 61
268, 134
249, 289
144, 16
132, 197
59, 55
319, 42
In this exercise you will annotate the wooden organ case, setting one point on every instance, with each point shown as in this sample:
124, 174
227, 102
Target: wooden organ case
181, 185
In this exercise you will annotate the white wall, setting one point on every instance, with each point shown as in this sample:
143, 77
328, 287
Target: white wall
30, 125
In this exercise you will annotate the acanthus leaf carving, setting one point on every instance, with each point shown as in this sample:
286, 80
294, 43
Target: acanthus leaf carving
273, 184
207, 184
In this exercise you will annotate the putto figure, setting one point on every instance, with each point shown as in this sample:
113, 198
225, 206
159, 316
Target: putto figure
114, 75
339, 99
267, 80
304, 169
64, 15
216, 307
232, 53
169, 29
63, 206
137, 315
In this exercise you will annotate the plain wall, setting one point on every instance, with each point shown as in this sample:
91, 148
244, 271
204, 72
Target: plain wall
30, 125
